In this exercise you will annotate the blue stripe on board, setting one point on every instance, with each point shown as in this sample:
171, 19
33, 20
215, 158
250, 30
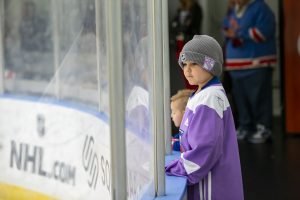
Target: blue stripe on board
62, 103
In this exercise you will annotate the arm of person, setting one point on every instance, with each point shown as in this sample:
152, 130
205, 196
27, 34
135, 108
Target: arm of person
205, 137
263, 27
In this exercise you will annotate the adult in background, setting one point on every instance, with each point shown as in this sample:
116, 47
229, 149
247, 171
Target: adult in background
33, 29
184, 26
250, 55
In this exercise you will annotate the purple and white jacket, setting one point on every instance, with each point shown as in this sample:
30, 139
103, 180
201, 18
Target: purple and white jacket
210, 160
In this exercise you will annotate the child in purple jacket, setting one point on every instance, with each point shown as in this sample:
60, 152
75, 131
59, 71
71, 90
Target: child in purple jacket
210, 157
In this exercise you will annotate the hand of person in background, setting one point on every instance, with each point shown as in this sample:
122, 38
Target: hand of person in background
230, 33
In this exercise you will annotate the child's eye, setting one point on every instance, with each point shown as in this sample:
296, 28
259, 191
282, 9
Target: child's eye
194, 64
183, 64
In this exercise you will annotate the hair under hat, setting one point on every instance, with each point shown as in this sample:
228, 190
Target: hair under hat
205, 51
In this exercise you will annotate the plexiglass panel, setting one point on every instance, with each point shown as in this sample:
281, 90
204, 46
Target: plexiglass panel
28, 49
50, 49
77, 70
52, 146
138, 81
102, 56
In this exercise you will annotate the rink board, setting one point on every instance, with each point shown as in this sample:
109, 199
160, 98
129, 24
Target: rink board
52, 151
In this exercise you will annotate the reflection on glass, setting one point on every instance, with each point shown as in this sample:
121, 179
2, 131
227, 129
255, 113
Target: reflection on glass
57, 151
137, 89
29, 46
77, 51
27, 40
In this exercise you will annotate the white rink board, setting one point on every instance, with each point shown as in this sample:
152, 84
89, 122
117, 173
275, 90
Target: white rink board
55, 150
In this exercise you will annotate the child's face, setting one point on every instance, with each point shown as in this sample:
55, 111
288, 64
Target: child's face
195, 74
176, 114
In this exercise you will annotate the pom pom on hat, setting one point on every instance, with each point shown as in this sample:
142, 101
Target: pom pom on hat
205, 51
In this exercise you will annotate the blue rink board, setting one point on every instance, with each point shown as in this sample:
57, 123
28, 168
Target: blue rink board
175, 186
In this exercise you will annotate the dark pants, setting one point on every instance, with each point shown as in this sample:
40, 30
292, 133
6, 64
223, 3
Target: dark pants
252, 91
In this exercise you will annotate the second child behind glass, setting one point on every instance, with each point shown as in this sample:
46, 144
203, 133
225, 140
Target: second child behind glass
178, 104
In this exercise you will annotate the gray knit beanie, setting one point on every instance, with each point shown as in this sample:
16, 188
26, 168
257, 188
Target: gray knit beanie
203, 50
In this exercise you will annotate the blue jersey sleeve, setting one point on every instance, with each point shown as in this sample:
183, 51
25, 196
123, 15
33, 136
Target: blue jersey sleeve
258, 25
